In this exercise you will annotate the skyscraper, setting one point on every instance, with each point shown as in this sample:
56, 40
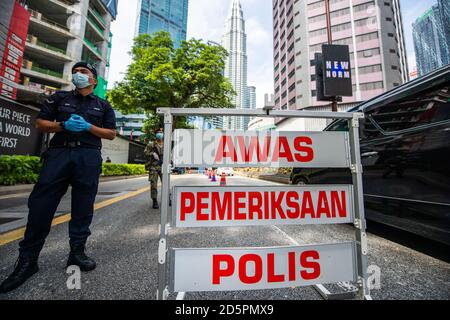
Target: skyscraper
431, 36
154, 16
251, 91
168, 15
235, 42
372, 29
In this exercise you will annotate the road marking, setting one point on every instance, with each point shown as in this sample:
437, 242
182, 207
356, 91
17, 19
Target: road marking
18, 234
294, 242
15, 195
181, 295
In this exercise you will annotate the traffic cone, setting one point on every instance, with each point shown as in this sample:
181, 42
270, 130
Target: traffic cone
213, 177
223, 179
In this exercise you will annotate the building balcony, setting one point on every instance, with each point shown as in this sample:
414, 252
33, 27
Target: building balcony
94, 29
33, 70
57, 11
31, 92
42, 24
43, 50
98, 17
93, 49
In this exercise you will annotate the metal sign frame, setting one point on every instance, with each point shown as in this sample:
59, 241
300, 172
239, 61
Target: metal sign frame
355, 166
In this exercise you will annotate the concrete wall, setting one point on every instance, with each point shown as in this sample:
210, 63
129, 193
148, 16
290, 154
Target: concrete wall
117, 150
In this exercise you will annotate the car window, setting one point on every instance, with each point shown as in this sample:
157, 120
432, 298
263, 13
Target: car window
341, 125
424, 108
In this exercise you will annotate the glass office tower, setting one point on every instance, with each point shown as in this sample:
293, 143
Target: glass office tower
431, 38
168, 15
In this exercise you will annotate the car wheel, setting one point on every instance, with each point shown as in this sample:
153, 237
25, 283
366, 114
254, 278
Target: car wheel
301, 182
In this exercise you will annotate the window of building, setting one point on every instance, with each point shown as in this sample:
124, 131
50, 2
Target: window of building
367, 37
369, 53
291, 88
291, 74
371, 86
364, 6
315, 5
370, 69
291, 61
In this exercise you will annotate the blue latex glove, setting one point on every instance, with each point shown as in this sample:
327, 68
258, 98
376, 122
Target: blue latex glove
72, 125
77, 124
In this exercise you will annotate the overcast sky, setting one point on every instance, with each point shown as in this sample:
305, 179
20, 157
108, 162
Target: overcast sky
206, 21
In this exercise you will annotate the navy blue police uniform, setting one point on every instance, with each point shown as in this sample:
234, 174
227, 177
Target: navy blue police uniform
73, 159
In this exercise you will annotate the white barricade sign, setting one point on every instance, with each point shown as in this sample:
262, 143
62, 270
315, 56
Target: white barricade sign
261, 268
198, 148
227, 269
250, 205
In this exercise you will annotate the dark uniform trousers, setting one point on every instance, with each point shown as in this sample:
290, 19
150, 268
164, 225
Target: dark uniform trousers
78, 167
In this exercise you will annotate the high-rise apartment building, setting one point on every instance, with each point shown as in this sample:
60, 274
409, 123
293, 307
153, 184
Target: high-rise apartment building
431, 34
168, 15
372, 29
235, 42
61, 33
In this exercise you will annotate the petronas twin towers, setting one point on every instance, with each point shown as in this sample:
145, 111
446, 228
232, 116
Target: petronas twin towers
235, 42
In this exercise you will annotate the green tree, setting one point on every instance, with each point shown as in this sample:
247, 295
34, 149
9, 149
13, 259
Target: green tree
162, 76
154, 122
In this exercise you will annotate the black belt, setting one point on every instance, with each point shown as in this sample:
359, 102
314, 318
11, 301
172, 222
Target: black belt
75, 144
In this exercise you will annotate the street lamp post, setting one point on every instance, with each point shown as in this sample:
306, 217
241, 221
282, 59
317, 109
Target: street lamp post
334, 107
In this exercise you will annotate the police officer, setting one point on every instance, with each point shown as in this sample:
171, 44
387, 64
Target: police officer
154, 155
79, 120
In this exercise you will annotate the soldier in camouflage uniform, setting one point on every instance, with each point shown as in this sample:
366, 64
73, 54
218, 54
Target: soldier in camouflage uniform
154, 155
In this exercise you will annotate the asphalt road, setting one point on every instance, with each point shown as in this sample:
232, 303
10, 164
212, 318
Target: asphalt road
125, 240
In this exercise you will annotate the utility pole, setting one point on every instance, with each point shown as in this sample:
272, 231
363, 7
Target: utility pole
334, 106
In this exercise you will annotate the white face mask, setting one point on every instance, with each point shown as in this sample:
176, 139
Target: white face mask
80, 80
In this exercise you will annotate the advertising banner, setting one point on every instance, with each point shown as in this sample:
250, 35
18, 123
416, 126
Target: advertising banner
17, 21
18, 135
